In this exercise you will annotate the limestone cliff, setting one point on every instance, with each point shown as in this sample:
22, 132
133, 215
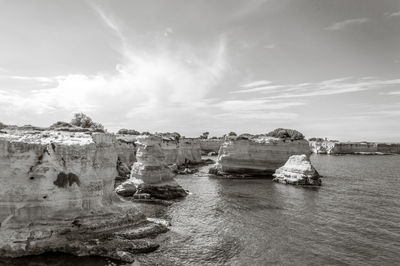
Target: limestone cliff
256, 155
189, 151
298, 171
210, 145
150, 173
336, 147
57, 194
181, 151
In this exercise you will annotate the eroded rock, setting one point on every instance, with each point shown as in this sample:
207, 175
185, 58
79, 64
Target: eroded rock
298, 171
256, 155
151, 174
57, 195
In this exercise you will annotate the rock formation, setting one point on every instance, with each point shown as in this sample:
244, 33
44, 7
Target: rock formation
256, 155
368, 148
181, 151
151, 174
210, 145
126, 151
298, 171
189, 151
57, 194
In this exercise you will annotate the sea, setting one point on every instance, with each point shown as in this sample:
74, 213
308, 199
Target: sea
352, 219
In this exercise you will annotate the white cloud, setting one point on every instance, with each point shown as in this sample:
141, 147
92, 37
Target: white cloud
256, 83
395, 14
259, 89
343, 24
326, 87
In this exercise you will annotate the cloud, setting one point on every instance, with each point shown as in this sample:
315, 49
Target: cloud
326, 87
259, 89
391, 93
343, 24
256, 83
395, 14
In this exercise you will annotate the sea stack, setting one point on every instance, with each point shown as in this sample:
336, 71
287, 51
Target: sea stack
298, 171
258, 155
151, 174
57, 195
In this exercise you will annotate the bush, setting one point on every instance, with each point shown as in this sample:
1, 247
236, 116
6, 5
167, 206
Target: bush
2, 125
82, 120
284, 133
316, 139
232, 134
124, 131
60, 124
205, 135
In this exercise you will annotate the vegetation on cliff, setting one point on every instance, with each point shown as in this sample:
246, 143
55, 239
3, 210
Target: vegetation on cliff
284, 133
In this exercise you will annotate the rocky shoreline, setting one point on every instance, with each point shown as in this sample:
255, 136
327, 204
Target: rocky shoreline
75, 191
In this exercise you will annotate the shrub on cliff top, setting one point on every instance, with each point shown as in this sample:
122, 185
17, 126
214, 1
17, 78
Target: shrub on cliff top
124, 131
84, 121
205, 135
232, 134
2, 125
60, 124
284, 133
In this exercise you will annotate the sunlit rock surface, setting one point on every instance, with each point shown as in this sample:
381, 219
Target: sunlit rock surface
210, 145
126, 151
189, 151
150, 173
57, 194
298, 171
256, 155
367, 148
181, 151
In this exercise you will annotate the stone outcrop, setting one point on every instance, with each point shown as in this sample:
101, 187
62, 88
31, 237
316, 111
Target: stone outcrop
367, 148
126, 151
151, 174
189, 151
57, 194
210, 145
256, 155
298, 171
181, 151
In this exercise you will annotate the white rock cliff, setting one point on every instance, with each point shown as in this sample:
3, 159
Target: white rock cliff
256, 155
298, 171
57, 194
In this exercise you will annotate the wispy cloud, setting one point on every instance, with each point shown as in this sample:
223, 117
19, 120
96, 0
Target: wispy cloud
395, 14
259, 89
256, 83
390, 93
326, 87
343, 24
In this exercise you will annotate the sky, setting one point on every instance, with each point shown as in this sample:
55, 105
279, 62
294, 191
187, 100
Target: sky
326, 68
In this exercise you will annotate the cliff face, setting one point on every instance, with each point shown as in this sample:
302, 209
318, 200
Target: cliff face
184, 150
151, 174
257, 155
210, 145
57, 194
189, 151
335, 147
126, 149
150, 167
298, 171
43, 173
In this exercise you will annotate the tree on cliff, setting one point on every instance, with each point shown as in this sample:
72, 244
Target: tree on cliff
84, 121
2, 125
284, 133
232, 134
